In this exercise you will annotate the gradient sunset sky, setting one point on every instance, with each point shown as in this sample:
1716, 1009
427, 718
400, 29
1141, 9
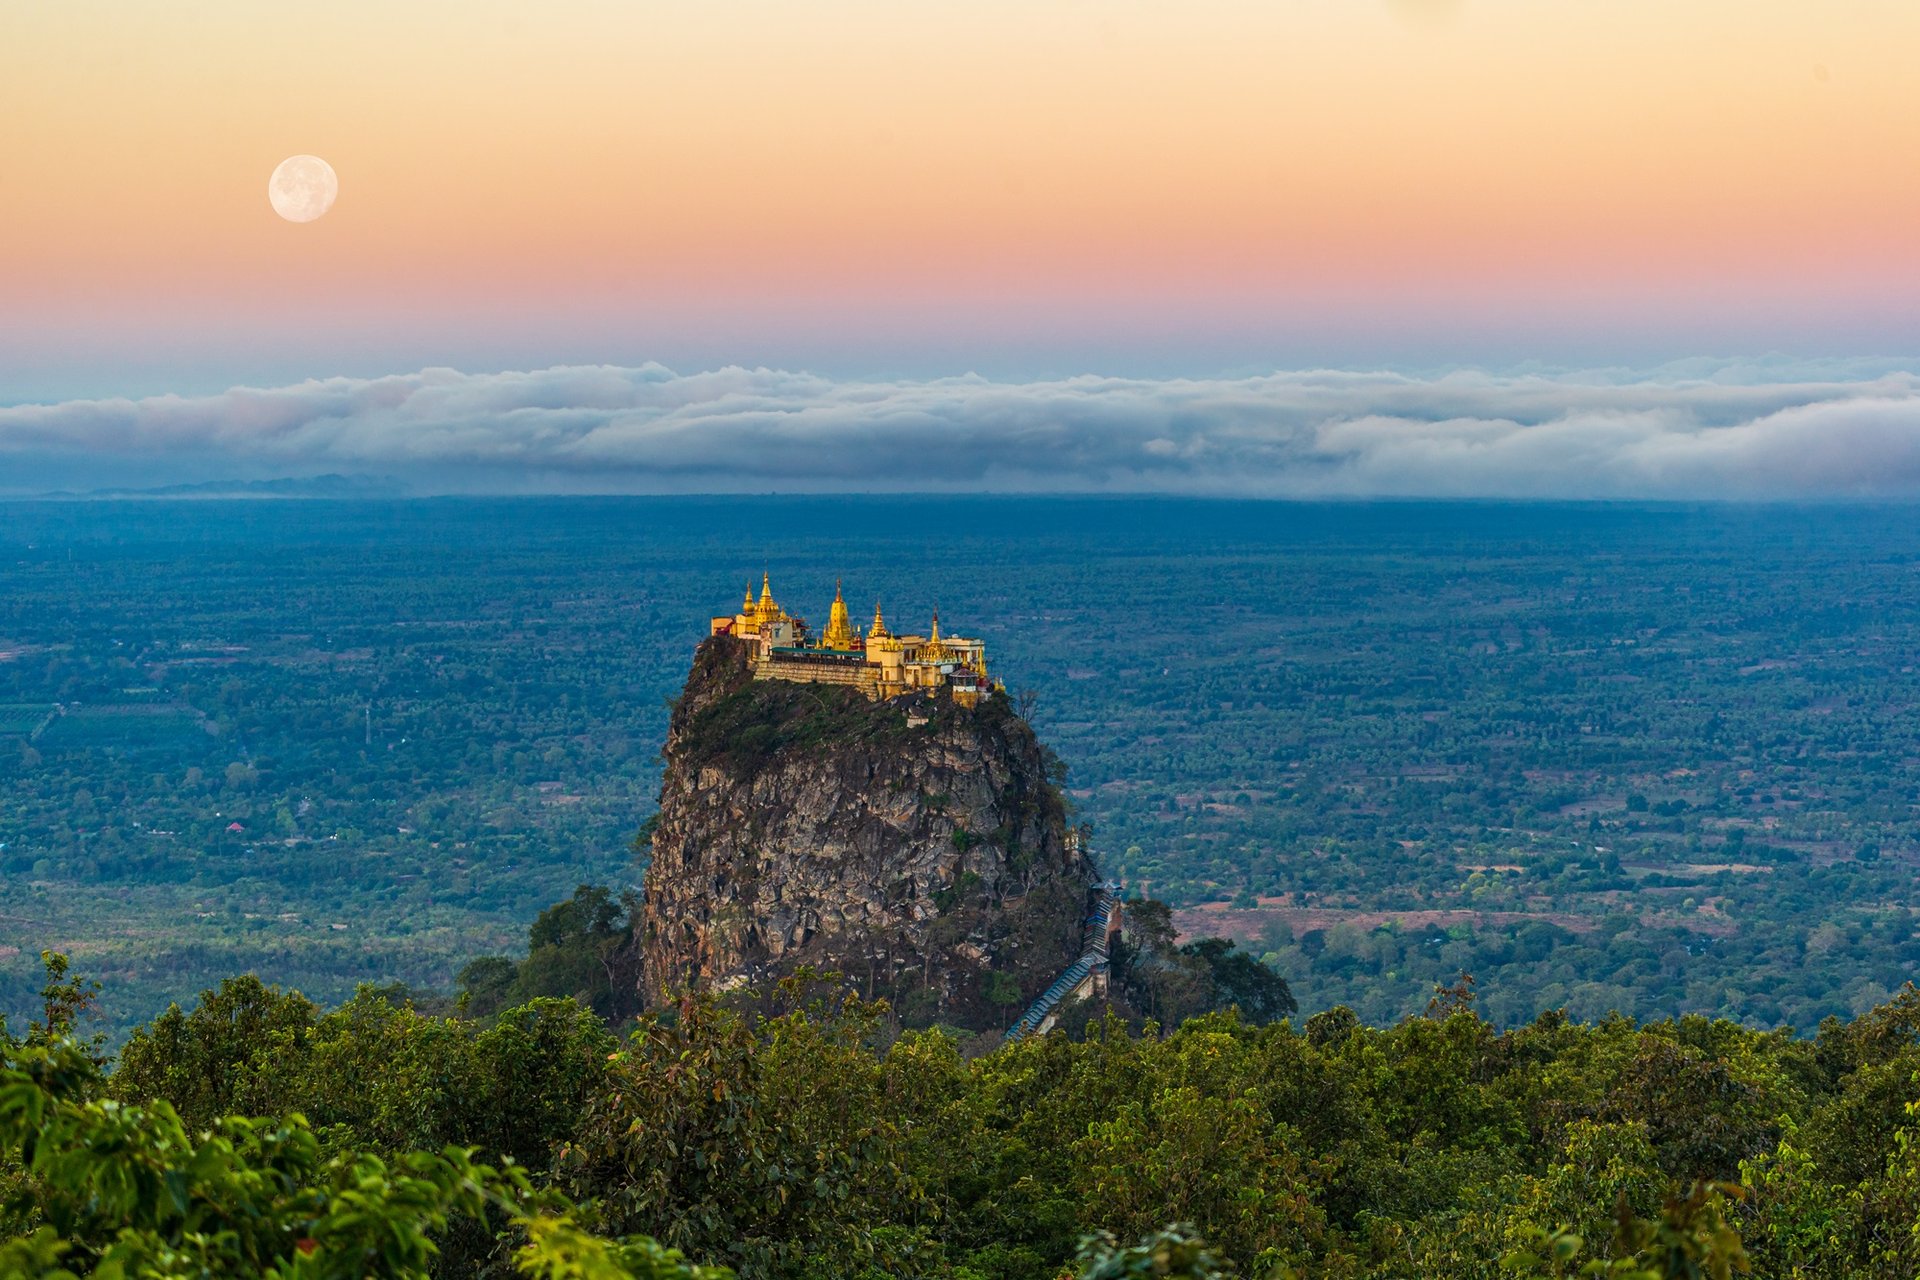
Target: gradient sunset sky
916, 189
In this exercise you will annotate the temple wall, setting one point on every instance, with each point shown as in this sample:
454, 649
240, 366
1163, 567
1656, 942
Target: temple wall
858, 676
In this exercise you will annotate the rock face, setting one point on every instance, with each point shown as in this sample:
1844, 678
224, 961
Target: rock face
913, 845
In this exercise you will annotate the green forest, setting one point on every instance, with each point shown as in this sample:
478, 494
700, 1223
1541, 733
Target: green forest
789, 1133
1649, 759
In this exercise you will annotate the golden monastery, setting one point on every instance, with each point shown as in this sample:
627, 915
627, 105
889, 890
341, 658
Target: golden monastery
877, 662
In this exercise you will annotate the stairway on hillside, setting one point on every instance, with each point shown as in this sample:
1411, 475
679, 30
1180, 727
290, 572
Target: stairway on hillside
1090, 967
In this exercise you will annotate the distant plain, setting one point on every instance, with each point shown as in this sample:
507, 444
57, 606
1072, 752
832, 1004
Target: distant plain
1653, 758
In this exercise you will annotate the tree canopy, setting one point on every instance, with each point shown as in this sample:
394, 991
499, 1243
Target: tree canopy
792, 1135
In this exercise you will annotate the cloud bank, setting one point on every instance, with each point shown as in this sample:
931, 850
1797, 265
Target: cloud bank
1748, 431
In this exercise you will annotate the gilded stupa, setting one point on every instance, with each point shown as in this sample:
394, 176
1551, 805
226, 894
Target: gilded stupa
879, 663
839, 633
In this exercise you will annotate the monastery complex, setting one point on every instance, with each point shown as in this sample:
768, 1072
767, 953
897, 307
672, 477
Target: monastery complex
877, 662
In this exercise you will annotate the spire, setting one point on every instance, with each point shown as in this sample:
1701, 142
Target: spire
933, 650
766, 610
746, 606
878, 631
839, 633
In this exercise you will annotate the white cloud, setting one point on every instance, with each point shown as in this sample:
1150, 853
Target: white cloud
1698, 430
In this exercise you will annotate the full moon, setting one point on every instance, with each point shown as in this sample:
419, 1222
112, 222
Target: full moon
302, 188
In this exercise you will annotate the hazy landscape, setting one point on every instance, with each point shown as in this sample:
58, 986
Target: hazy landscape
1647, 758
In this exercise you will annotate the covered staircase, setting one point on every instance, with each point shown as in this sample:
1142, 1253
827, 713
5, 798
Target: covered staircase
1084, 977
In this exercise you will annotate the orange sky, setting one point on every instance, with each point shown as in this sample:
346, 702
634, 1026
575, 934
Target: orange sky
686, 177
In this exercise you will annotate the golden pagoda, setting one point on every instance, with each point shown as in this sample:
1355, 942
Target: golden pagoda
933, 650
767, 610
839, 633
880, 664
762, 620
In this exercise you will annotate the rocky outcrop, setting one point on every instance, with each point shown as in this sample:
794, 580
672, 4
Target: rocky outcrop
914, 845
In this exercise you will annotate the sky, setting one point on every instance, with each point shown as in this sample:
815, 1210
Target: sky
884, 199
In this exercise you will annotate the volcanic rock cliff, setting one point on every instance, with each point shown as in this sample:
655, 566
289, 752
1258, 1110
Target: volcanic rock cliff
913, 845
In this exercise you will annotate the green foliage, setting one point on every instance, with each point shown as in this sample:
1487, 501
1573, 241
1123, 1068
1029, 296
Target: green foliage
765, 1145
1001, 988
755, 723
804, 1142
1241, 982
381, 1076
1799, 1220
1175, 1253
1602, 1169
1173, 982
558, 1249
238, 1051
487, 984
119, 1190
581, 948
1691, 1239
64, 999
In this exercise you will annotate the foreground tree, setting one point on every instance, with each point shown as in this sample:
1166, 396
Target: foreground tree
110, 1189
